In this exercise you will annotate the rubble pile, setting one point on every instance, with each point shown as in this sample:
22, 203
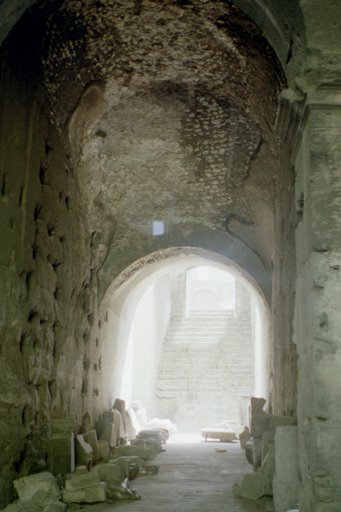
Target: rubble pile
92, 465
271, 448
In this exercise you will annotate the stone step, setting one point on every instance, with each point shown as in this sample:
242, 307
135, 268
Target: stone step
195, 334
206, 329
177, 349
210, 313
198, 320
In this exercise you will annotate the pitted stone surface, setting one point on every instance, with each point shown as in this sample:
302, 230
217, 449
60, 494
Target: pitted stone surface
177, 122
164, 111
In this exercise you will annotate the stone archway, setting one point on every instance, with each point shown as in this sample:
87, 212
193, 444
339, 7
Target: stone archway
123, 298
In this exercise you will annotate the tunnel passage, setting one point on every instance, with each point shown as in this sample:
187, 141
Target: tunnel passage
107, 128
182, 362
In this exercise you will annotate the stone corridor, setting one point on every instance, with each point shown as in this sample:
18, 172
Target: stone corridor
193, 477
140, 139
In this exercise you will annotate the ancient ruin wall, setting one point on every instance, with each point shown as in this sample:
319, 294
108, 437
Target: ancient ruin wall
49, 363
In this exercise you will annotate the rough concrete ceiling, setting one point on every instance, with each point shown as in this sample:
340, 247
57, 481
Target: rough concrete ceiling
170, 111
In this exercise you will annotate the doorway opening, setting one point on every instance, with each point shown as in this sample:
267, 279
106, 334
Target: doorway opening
191, 337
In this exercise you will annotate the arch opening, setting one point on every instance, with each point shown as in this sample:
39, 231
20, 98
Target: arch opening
193, 366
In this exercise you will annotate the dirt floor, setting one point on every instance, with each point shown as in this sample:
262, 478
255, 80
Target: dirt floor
193, 477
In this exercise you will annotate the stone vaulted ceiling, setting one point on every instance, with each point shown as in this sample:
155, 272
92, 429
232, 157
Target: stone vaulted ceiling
170, 108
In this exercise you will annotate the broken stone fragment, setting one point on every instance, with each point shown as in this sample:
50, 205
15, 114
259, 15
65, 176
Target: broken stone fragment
109, 435
151, 469
257, 405
142, 451
111, 472
91, 438
153, 442
84, 452
93, 494
78, 481
117, 492
22, 506
61, 453
252, 486
39, 488
56, 506
81, 470
132, 465
260, 423
244, 437
13, 507
103, 449
84, 488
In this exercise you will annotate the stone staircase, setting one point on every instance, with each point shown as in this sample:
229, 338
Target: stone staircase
205, 366
203, 326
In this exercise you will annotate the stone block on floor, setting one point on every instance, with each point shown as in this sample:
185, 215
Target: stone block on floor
257, 405
112, 472
55, 506
84, 452
90, 438
78, 481
285, 494
260, 424
141, 451
93, 494
103, 449
40, 488
244, 437
252, 486
60, 453
23, 506
132, 465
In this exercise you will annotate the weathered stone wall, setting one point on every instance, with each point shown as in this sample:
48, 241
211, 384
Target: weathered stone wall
317, 318
46, 299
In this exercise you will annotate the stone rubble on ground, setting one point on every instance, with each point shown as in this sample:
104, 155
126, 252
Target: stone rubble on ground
102, 464
272, 451
41, 489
